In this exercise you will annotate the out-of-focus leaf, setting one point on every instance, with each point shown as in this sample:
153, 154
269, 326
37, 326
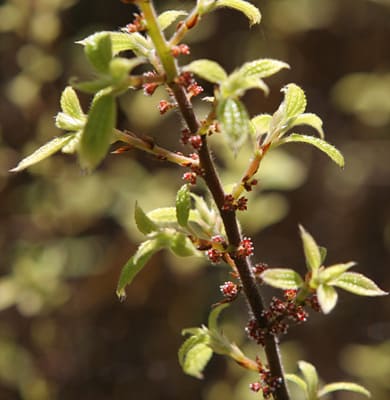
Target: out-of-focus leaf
261, 123
43, 152
70, 103
182, 246
209, 70
250, 11
358, 284
311, 378
183, 205
327, 298
282, 278
348, 386
262, 68
144, 224
311, 250
96, 136
69, 123
234, 121
297, 380
169, 17
93, 86
214, 315
120, 67
99, 52
325, 147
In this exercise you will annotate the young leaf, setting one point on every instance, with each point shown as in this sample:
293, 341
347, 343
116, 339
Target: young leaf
294, 100
182, 246
144, 252
250, 11
169, 17
99, 53
72, 146
323, 252
282, 278
325, 147
349, 386
195, 356
69, 123
43, 152
209, 70
214, 315
237, 84
311, 378
261, 123
93, 86
262, 68
144, 224
311, 250
120, 67
358, 284
310, 119
297, 380
96, 136
327, 297
183, 205
331, 273
234, 121
70, 103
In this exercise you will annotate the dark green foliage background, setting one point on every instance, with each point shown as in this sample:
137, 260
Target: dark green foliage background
65, 236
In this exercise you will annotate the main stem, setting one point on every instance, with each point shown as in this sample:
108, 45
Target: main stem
213, 182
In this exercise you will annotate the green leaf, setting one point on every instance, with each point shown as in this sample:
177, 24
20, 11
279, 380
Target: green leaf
311, 378
93, 86
334, 272
182, 246
237, 84
70, 103
214, 315
323, 252
297, 380
209, 70
120, 41
144, 224
234, 121
194, 355
183, 205
262, 68
169, 17
311, 250
96, 136
69, 123
73, 145
250, 11
99, 52
310, 119
261, 123
325, 147
282, 278
144, 252
120, 68
294, 100
349, 386
43, 152
166, 216
327, 297
358, 284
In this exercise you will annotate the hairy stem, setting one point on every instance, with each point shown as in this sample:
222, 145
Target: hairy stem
213, 183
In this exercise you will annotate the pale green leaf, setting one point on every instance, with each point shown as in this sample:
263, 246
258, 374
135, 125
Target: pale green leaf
182, 246
311, 378
73, 145
209, 70
214, 315
93, 86
358, 284
196, 358
43, 152
144, 224
297, 380
261, 123
99, 53
262, 68
237, 84
282, 278
348, 386
121, 42
120, 67
294, 100
309, 119
333, 272
325, 147
311, 250
183, 205
96, 136
169, 17
70, 103
323, 252
135, 264
250, 11
327, 298
69, 123
166, 216
234, 121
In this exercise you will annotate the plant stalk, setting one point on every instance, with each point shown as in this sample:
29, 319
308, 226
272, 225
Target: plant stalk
213, 182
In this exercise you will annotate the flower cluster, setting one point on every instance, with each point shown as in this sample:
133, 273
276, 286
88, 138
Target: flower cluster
150, 87
229, 290
231, 204
138, 24
248, 185
245, 248
180, 49
267, 383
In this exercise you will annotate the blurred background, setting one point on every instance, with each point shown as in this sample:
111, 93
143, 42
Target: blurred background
65, 235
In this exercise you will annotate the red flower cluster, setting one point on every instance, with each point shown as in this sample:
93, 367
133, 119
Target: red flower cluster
180, 49
138, 24
229, 290
245, 249
267, 384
